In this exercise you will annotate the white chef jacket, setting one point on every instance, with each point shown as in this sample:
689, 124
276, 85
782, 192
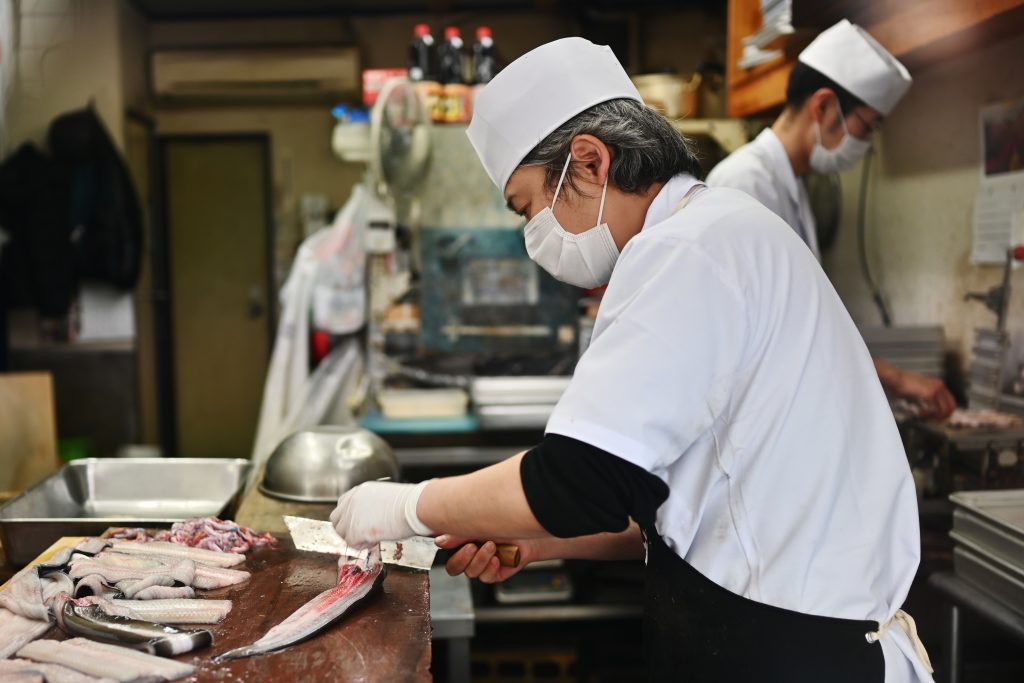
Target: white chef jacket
762, 169
723, 362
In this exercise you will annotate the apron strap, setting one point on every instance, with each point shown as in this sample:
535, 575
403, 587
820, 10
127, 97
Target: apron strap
907, 623
690, 194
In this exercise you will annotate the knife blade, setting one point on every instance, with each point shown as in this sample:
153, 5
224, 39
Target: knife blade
319, 536
416, 552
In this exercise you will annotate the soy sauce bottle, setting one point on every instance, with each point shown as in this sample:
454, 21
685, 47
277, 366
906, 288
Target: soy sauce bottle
421, 54
485, 61
450, 57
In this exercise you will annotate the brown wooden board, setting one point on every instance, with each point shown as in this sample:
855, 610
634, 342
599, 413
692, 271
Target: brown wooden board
385, 639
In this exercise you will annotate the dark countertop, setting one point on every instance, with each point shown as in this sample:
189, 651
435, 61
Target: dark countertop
386, 639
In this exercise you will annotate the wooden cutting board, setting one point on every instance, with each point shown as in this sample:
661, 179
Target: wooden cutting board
387, 639
28, 449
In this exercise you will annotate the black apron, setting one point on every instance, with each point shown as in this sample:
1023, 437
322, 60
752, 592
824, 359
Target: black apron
695, 630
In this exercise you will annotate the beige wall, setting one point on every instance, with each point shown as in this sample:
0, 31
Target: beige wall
300, 153
678, 39
133, 43
921, 198
68, 55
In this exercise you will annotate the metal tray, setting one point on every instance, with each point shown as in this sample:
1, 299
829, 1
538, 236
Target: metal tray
504, 391
991, 521
86, 496
998, 579
514, 417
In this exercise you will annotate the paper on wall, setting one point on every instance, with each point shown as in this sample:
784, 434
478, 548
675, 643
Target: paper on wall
999, 208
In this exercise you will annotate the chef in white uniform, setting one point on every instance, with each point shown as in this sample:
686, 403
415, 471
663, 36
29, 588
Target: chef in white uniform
725, 426
841, 88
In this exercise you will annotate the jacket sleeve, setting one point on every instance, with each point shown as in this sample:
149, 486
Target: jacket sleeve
576, 489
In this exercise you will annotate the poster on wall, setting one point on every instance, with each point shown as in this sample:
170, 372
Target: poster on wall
999, 207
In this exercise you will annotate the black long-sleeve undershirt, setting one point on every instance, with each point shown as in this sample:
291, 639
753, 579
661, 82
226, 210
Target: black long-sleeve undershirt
576, 489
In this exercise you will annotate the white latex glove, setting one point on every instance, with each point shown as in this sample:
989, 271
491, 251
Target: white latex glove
379, 511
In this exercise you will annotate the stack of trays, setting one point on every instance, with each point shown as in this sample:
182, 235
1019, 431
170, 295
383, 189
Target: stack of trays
516, 402
988, 528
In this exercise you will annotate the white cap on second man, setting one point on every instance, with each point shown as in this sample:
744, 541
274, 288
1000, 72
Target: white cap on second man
848, 55
537, 93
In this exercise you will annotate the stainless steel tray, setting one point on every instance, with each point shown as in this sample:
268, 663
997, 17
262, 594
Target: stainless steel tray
991, 521
86, 496
998, 579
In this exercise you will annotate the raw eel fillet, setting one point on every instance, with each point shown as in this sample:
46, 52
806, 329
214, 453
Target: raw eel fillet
105, 661
16, 631
50, 673
357, 581
99, 619
214, 558
178, 611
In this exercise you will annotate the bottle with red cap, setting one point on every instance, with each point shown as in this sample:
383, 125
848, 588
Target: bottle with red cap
485, 61
456, 95
421, 54
452, 69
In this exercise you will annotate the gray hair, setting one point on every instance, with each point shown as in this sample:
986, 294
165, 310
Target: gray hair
646, 149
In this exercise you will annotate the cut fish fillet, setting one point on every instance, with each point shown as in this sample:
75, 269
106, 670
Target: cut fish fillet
356, 582
50, 673
178, 611
105, 661
214, 558
16, 631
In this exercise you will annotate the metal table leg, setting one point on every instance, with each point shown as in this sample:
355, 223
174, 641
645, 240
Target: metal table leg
458, 660
954, 647
453, 620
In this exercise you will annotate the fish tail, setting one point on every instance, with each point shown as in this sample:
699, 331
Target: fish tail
238, 653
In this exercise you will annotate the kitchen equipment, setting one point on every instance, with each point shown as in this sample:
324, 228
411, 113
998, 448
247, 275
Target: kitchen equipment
403, 404
86, 496
535, 586
481, 293
317, 465
997, 579
988, 529
993, 521
416, 552
319, 536
672, 95
516, 402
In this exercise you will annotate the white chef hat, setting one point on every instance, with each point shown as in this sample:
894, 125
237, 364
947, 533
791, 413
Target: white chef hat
848, 55
537, 93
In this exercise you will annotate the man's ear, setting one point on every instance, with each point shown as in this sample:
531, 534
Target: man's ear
818, 103
592, 156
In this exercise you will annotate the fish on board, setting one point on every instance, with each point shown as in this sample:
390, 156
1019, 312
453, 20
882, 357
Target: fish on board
358, 580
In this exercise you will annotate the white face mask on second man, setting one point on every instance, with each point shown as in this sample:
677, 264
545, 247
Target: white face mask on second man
584, 260
845, 156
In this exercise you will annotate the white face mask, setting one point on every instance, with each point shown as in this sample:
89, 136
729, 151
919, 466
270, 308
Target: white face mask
844, 157
585, 260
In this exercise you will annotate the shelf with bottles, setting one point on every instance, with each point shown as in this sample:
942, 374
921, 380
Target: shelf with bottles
446, 74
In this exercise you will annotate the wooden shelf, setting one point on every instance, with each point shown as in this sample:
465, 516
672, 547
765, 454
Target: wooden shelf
919, 33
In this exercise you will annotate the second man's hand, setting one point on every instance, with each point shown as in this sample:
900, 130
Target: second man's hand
936, 402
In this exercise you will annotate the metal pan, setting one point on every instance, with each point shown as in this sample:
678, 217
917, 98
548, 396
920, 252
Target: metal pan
992, 522
86, 496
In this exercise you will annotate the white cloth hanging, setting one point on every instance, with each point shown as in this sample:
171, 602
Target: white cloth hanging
293, 397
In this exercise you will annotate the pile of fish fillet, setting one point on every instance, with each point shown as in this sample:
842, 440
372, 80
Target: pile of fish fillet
117, 597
